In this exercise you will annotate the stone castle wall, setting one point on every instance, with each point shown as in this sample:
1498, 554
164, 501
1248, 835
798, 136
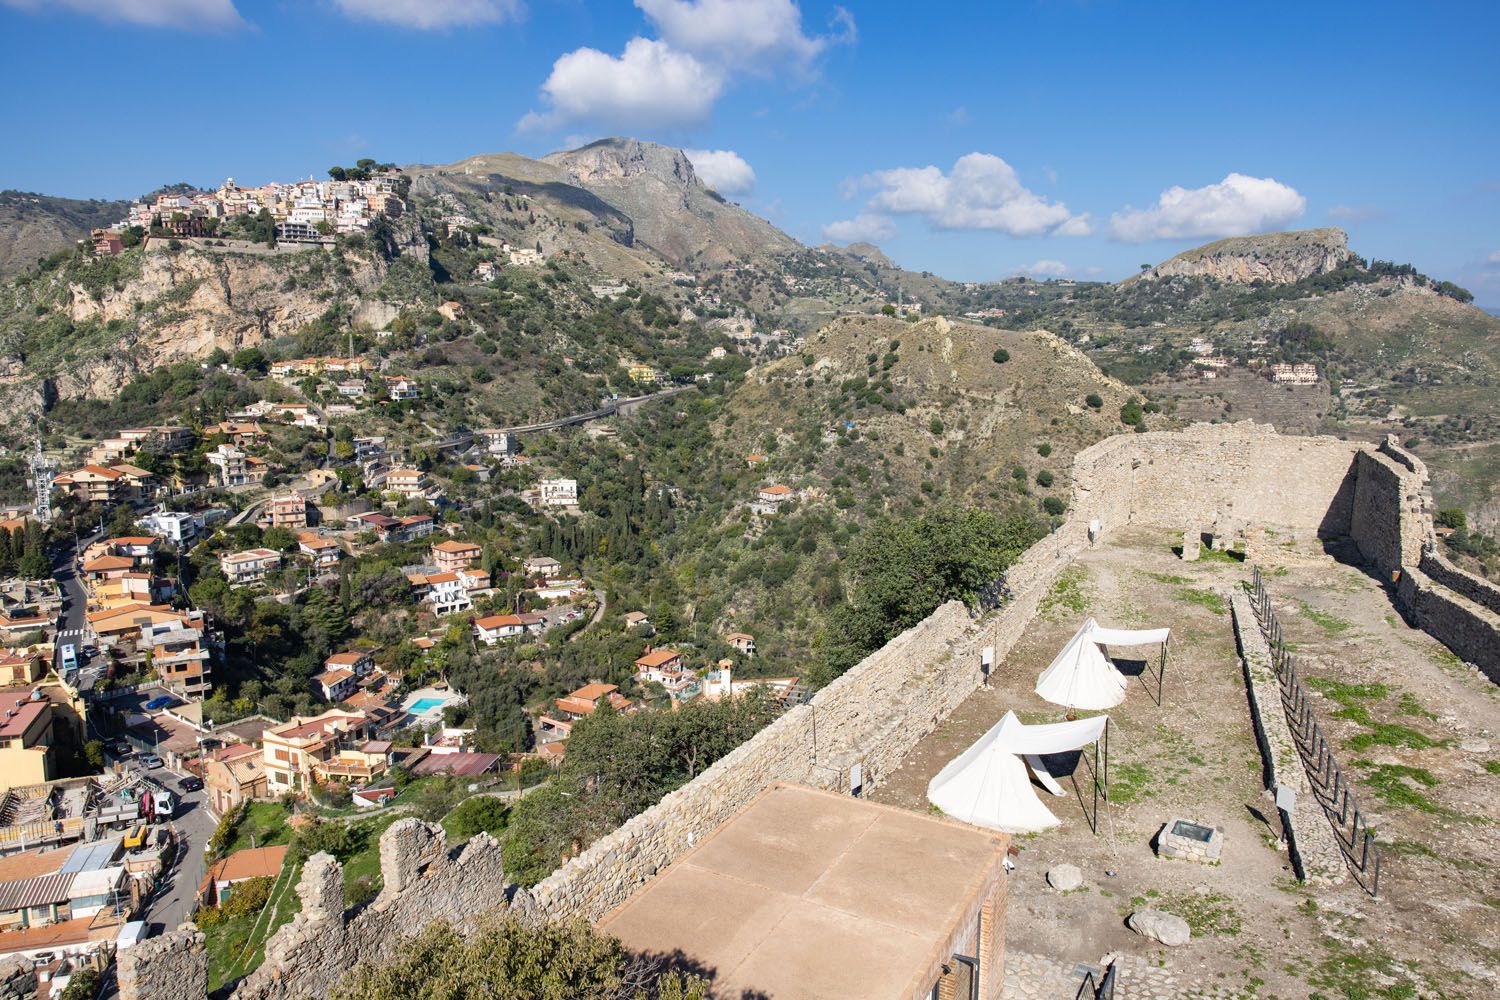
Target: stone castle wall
1233, 475
1229, 476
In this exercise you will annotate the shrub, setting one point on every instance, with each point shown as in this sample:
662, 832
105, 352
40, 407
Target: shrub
1094, 400
1130, 413
1053, 506
249, 896
935, 426
1001, 355
1044, 478
1044, 449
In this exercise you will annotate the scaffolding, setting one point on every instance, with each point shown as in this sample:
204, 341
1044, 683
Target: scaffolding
42, 469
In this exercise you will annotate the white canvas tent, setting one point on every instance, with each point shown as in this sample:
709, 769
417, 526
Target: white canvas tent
1082, 676
989, 784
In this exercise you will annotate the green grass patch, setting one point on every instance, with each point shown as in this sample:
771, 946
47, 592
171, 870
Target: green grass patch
1209, 914
1352, 975
1068, 593
1492, 766
1328, 622
1175, 581
1345, 693
236, 946
1401, 785
264, 825
1411, 706
1129, 783
1205, 599
1385, 734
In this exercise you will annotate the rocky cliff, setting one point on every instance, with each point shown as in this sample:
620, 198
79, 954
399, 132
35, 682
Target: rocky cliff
83, 331
1280, 258
674, 213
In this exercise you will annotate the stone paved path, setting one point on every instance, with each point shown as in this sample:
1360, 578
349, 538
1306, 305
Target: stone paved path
1035, 977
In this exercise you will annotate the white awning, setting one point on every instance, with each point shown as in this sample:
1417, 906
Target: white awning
989, 785
1130, 636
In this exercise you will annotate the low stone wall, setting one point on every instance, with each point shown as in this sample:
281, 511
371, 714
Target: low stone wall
1465, 584
1470, 630
1310, 840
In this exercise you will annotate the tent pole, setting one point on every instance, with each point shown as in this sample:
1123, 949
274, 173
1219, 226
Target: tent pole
1161, 671
1094, 819
1106, 760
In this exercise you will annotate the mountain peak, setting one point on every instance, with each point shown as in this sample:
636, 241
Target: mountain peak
621, 160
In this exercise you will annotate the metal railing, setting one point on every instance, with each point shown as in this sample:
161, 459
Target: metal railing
1101, 989
1333, 791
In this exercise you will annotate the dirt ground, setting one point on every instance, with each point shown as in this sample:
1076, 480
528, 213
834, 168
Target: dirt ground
1413, 726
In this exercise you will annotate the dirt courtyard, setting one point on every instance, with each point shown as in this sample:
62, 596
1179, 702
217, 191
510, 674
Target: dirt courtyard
1412, 725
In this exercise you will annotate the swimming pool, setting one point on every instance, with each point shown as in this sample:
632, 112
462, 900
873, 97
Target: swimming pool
424, 705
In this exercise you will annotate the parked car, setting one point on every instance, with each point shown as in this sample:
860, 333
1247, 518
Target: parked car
151, 762
191, 783
160, 702
115, 748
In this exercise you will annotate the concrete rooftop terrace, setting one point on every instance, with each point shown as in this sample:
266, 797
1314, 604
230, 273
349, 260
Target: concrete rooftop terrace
809, 895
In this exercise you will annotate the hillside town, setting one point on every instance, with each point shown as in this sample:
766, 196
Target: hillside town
301, 211
509, 501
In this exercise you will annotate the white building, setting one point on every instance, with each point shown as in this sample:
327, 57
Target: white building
559, 492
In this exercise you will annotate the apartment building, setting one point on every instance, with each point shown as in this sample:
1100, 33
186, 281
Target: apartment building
316, 748
451, 556
289, 511
250, 566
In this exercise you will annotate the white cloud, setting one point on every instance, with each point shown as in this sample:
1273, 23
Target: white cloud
186, 14
431, 14
1356, 213
1043, 269
724, 170
982, 191
1493, 258
650, 85
1233, 207
750, 35
866, 227
674, 80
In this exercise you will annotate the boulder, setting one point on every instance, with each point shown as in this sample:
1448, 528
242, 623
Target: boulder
1064, 877
1158, 926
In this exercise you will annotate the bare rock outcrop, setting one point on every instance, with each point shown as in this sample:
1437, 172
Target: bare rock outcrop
1279, 258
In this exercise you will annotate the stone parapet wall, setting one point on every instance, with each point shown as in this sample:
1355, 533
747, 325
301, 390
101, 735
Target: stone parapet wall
1477, 589
423, 882
1470, 630
1311, 842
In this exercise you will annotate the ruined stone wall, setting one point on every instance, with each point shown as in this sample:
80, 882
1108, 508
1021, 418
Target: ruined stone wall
1228, 474
1477, 589
1391, 521
17, 979
1470, 630
174, 965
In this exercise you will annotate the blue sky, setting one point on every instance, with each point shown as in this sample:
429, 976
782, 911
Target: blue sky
971, 140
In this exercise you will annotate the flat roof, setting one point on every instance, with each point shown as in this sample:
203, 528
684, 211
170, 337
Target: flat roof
807, 895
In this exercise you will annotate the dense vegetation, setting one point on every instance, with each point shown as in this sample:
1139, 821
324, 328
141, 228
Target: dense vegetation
506, 959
